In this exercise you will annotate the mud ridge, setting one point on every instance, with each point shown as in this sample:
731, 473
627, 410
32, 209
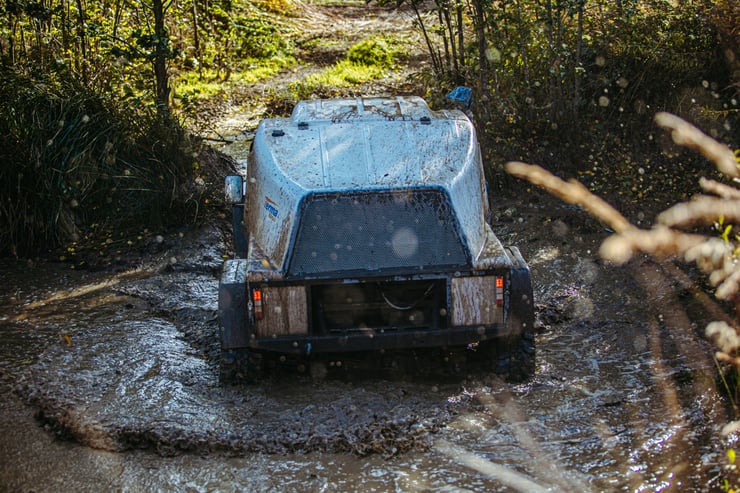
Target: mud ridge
149, 380
334, 429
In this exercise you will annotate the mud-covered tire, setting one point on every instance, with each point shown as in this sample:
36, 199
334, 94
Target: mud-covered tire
513, 357
240, 366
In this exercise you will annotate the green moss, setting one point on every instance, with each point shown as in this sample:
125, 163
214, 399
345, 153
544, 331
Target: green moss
193, 86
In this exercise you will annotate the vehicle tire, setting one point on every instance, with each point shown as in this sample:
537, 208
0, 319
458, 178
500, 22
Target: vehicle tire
513, 357
240, 366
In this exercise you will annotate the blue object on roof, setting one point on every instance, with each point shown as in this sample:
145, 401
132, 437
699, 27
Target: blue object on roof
462, 95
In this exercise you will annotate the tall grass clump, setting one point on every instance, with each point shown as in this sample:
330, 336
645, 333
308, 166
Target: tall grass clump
75, 160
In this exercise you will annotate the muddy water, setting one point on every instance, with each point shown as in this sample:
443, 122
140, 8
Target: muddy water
110, 381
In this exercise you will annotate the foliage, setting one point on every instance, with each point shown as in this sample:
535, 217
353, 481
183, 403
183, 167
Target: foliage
74, 161
539, 69
192, 89
369, 59
88, 137
342, 74
114, 47
375, 51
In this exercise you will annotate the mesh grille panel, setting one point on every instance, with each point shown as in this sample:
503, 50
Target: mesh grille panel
378, 231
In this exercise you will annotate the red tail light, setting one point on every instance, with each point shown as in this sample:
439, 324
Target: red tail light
257, 300
499, 291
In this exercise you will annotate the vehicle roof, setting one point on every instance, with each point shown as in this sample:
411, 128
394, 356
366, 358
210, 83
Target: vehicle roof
329, 145
362, 145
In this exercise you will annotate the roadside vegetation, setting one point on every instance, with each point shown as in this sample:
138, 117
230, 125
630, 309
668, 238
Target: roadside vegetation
575, 84
97, 101
103, 102
369, 59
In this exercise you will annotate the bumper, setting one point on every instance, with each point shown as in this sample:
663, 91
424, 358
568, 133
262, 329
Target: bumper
378, 339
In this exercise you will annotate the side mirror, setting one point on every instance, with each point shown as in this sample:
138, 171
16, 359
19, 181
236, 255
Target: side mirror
234, 188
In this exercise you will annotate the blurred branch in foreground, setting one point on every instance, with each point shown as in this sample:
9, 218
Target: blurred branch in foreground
717, 256
505, 475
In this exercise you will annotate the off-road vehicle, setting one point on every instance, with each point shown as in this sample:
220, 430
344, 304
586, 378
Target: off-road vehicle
360, 225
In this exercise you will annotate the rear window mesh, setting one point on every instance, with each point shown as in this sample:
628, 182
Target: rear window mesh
376, 232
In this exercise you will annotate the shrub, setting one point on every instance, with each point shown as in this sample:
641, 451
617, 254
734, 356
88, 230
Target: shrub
73, 159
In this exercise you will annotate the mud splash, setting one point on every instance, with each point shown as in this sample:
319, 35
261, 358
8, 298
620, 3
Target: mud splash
138, 370
140, 384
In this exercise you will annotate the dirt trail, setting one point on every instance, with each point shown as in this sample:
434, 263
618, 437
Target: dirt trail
623, 396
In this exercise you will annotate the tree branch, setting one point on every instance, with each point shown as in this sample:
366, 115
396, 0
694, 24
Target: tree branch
572, 192
687, 135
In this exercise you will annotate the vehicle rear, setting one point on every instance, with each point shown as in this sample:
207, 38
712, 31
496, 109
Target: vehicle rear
356, 244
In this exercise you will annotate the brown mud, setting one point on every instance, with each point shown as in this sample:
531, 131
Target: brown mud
623, 398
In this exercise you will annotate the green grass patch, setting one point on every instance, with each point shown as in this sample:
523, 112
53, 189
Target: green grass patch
341, 75
192, 87
344, 74
367, 60
374, 51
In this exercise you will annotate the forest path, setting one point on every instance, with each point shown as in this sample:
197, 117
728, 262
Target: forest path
327, 32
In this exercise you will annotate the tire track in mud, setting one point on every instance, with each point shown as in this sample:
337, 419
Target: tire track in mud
684, 366
173, 404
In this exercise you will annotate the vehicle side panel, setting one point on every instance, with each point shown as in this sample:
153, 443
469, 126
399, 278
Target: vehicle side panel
232, 303
522, 298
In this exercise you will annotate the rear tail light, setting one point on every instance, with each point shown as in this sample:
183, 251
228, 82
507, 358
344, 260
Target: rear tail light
257, 303
499, 291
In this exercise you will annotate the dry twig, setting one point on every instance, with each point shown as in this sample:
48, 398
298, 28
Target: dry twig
701, 210
719, 189
660, 241
572, 192
687, 135
716, 257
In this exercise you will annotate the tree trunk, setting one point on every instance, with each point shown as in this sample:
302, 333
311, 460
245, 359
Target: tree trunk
196, 34
480, 32
460, 45
448, 38
161, 51
436, 61
83, 41
577, 65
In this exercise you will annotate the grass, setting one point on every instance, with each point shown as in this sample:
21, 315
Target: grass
367, 60
342, 74
195, 86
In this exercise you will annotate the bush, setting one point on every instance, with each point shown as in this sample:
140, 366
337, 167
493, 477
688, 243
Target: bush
73, 160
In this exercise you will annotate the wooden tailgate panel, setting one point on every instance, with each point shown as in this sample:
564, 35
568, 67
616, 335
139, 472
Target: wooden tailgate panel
474, 301
285, 312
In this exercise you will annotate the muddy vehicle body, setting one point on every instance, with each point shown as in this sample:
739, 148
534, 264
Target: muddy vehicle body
361, 226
